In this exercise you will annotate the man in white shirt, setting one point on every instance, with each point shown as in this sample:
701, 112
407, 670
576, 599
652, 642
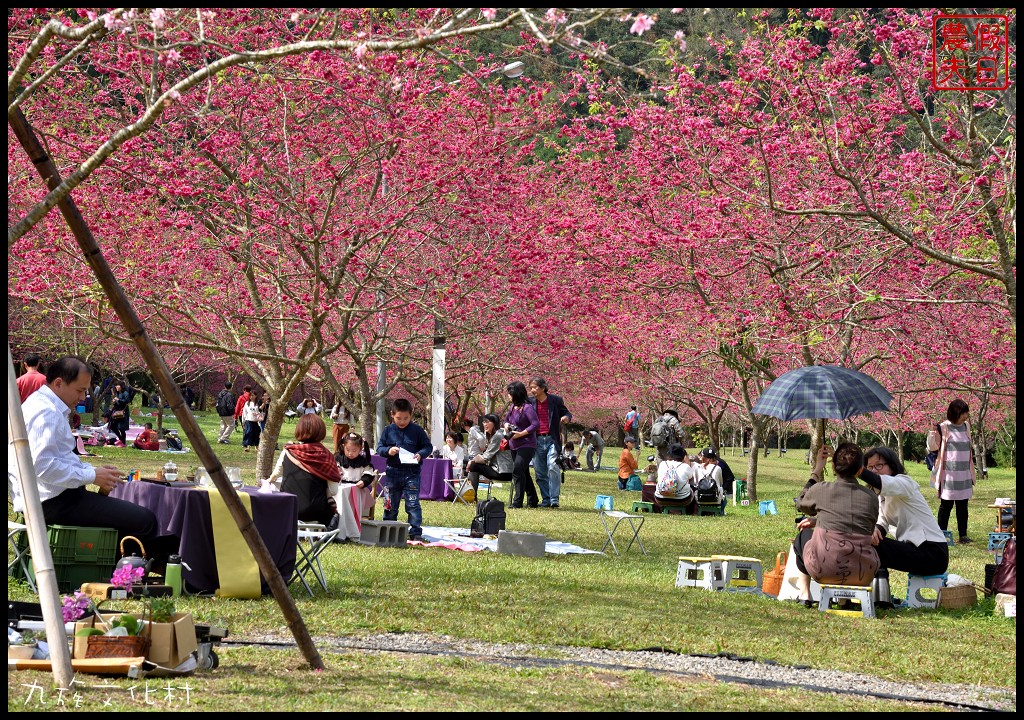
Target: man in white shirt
61, 475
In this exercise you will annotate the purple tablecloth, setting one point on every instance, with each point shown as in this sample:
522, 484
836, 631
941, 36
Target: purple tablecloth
433, 473
185, 512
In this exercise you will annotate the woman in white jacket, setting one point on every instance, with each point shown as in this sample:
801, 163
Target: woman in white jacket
917, 545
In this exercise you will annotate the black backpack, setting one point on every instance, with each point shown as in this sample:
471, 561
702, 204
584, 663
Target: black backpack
173, 441
225, 403
707, 490
490, 518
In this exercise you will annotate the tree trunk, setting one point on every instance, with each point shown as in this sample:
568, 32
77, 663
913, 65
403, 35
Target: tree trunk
268, 439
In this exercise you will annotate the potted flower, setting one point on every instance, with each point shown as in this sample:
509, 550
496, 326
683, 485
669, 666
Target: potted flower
21, 646
121, 636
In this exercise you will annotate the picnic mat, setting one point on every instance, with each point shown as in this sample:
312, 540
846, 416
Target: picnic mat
458, 539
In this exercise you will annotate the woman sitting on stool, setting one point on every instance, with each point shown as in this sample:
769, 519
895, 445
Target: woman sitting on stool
674, 474
919, 546
834, 545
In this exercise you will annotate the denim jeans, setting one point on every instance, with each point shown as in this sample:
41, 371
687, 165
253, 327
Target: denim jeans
591, 451
545, 467
405, 487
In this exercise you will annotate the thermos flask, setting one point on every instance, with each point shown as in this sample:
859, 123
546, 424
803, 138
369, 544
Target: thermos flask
173, 574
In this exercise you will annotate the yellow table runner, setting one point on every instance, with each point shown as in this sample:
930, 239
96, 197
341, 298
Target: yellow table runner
236, 567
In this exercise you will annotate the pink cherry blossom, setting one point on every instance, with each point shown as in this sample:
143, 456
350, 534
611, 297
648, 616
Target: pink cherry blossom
641, 24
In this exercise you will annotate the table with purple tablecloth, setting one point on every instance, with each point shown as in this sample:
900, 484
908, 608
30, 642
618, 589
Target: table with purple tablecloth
433, 473
182, 509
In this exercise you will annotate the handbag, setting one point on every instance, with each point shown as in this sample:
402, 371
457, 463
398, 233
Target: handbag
1005, 580
117, 415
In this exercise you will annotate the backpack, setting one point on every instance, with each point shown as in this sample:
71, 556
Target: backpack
669, 484
630, 421
173, 441
225, 403
490, 518
707, 490
660, 432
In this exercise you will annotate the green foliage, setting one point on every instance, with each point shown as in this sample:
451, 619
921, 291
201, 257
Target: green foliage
86, 632
128, 622
162, 609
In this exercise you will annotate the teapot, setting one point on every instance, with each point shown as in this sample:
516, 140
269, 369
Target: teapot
133, 560
170, 471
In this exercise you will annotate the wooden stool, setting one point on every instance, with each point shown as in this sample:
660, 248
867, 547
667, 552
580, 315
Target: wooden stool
698, 572
646, 507
917, 583
855, 595
737, 572
709, 509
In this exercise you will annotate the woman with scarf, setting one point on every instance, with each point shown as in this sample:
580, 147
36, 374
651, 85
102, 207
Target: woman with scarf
308, 470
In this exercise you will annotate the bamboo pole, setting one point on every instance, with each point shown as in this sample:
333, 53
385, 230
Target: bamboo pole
168, 388
38, 543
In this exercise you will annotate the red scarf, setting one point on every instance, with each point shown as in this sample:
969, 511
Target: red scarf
315, 459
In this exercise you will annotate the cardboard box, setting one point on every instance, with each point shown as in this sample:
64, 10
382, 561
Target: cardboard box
170, 643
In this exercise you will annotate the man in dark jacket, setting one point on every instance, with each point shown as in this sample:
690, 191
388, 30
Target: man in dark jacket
552, 413
226, 412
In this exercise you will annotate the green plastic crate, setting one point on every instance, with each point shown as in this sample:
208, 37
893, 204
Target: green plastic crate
71, 577
80, 554
82, 545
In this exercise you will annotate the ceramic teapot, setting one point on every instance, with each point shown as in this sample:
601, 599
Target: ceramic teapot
133, 560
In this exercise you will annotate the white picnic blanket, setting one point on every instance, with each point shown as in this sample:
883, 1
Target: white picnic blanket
451, 537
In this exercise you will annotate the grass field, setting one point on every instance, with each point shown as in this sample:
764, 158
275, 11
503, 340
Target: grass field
625, 602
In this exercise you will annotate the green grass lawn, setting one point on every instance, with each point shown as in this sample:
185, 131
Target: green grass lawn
624, 602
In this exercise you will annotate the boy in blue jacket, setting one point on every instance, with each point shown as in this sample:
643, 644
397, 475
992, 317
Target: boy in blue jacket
405, 444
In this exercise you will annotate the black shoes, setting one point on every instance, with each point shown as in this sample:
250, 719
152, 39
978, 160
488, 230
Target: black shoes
553, 505
965, 540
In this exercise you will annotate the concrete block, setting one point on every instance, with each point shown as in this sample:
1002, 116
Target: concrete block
384, 533
511, 542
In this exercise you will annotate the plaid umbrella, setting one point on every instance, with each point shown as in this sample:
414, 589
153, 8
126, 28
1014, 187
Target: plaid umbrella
822, 391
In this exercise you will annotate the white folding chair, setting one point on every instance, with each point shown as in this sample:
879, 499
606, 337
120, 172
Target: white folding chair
20, 554
458, 486
313, 539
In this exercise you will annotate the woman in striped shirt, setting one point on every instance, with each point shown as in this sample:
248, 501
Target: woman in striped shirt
953, 474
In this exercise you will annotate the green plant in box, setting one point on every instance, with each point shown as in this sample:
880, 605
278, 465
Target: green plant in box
162, 609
